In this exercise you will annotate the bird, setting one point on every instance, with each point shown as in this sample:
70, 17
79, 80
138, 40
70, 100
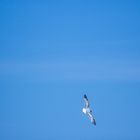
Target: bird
86, 110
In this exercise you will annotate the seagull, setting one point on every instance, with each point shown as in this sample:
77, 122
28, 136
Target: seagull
88, 111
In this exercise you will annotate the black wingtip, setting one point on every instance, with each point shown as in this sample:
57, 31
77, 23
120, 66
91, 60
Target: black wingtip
85, 96
94, 122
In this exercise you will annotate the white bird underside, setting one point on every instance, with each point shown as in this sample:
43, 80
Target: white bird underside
88, 111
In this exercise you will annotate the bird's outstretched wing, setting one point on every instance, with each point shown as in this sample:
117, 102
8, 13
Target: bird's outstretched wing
92, 119
86, 101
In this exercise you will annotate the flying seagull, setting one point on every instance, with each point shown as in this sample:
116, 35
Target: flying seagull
88, 111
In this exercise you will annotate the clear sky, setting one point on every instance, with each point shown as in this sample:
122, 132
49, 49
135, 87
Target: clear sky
53, 52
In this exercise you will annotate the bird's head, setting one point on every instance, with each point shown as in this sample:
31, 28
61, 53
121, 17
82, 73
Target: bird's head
84, 110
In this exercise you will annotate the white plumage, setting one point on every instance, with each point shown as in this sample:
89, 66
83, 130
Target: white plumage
87, 110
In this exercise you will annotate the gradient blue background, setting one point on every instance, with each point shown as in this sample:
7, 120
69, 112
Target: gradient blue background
53, 52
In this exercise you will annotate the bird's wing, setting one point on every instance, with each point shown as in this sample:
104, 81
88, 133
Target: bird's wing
86, 101
92, 118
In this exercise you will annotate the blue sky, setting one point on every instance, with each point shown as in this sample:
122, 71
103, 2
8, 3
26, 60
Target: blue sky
53, 52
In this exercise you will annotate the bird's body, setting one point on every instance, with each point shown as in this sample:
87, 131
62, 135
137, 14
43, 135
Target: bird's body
88, 111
